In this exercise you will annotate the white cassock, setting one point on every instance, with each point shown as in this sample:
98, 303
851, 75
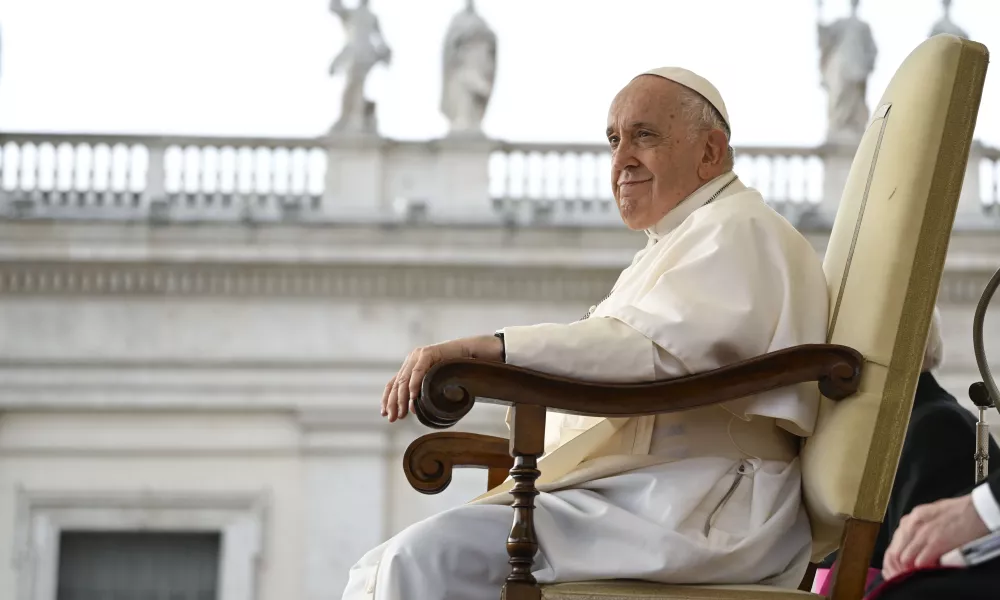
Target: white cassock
704, 496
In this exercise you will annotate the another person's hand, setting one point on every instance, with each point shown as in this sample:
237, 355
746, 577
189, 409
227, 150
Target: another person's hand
930, 531
404, 387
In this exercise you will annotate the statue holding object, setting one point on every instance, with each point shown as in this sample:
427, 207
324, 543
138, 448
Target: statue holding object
847, 59
364, 47
469, 58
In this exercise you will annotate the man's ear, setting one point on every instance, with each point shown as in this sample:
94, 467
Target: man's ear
716, 152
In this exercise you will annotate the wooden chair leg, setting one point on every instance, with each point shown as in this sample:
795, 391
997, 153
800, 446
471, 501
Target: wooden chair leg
527, 441
854, 559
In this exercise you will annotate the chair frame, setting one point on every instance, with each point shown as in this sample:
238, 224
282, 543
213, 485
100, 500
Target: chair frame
451, 388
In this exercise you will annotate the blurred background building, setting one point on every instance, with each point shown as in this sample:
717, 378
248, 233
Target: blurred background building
195, 328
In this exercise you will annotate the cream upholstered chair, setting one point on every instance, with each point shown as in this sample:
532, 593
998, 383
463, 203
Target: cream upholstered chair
883, 267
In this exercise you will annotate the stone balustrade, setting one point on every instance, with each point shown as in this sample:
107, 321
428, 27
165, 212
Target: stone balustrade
570, 183
130, 177
184, 179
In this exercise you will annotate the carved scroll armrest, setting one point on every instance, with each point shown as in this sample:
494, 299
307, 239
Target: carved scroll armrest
451, 387
430, 459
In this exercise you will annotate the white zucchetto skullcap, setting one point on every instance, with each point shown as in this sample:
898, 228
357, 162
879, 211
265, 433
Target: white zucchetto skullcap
694, 82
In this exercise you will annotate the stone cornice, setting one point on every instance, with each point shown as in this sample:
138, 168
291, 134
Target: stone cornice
340, 281
961, 282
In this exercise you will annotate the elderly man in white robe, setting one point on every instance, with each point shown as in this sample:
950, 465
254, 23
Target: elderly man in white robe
703, 496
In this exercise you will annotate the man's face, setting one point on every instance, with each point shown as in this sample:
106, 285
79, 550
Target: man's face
654, 163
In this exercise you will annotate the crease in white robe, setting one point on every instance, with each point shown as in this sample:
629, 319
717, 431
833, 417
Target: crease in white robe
714, 285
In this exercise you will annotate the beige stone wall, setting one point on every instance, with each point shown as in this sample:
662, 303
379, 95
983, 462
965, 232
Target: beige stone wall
215, 375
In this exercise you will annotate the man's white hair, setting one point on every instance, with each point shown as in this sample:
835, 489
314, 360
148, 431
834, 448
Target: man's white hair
702, 116
934, 352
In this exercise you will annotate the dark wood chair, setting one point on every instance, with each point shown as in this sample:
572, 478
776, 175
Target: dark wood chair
883, 266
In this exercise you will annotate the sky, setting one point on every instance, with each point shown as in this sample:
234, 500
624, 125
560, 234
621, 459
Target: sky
260, 67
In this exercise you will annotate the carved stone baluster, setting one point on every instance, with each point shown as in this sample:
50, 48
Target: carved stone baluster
288, 197
789, 162
20, 173
219, 197
598, 177
508, 180
203, 201
995, 196
90, 185
526, 177
527, 440
253, 185
274, 199
37, 194
72, 175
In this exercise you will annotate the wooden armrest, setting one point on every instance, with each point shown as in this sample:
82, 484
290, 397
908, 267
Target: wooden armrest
429, 459
451, 387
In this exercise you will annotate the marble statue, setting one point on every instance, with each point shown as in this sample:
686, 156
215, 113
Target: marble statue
946, 25
847, 59
364, 47
470, 50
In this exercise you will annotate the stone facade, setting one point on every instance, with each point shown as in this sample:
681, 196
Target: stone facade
227, 377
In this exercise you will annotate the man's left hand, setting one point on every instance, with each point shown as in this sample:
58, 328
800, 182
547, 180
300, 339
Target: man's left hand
930, 531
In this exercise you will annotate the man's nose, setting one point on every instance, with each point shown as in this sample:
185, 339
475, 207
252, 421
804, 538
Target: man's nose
623, 157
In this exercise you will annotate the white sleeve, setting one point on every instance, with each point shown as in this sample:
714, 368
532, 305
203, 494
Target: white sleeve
987, 507
598, 349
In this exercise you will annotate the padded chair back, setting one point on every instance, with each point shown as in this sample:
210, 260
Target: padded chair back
883, 267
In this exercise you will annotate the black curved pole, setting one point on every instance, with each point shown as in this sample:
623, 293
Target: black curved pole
977, 341
983, 393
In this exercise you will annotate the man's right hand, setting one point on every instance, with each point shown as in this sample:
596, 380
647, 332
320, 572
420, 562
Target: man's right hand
404, 387
931, 530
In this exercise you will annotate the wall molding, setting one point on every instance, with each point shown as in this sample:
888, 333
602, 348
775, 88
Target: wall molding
356, 282
383, 282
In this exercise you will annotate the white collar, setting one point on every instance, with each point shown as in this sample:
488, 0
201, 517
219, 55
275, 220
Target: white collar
724, 185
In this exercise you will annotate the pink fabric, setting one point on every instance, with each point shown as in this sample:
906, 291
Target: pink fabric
822, 581
899, 579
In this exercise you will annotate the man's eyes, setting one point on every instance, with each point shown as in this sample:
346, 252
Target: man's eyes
614, 139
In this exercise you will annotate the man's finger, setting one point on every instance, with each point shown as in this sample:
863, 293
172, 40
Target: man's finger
890, 562
399, 390
930, 554
420, 368
390, 404
385, 395
889, 569
403, 394
403, 397
908, 554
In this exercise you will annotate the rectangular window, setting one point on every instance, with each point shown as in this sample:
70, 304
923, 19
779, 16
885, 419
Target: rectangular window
138, 566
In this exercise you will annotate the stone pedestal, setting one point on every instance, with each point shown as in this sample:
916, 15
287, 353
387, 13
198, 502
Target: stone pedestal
462, 170
355, 172
970, 214
837, 159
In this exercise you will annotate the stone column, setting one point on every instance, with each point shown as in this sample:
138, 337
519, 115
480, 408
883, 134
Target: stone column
355, 173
